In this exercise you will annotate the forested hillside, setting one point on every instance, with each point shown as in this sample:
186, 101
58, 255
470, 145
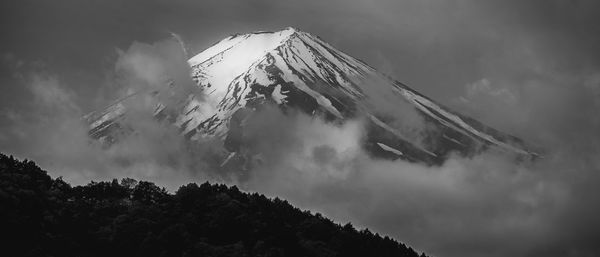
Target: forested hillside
41, 216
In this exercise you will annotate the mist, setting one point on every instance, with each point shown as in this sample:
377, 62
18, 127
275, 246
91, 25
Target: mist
485, 205
527, 68
55, 135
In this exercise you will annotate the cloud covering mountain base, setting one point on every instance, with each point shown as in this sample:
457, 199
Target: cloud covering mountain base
485, 205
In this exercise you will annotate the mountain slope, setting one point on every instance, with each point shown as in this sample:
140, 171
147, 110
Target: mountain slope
295, 69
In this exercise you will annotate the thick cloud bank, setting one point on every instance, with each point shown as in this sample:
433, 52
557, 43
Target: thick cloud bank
487, 205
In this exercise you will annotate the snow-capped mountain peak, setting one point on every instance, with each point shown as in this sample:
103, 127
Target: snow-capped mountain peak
296, 69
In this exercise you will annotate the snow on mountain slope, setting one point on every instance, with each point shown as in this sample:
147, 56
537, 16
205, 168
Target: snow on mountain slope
298, 70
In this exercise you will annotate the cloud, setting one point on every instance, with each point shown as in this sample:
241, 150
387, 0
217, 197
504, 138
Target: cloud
160, 67
526, 67
483, 87
47, 91
55, 135
486, 205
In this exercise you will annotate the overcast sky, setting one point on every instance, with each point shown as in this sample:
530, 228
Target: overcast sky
531, 68
444, 49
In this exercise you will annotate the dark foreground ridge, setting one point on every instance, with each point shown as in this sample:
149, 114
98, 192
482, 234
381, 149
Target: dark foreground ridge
41, 216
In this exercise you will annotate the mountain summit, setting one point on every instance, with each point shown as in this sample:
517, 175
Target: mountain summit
294, 69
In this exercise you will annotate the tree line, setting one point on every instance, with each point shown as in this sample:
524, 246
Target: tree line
41, 216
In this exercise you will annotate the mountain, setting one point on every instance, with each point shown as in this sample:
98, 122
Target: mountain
294, 69
41, 216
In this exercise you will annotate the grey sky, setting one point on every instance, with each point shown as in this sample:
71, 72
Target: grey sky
531, 68
437, 47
